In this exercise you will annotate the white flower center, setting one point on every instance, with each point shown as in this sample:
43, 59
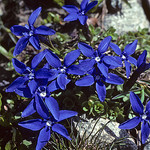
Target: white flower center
123, 57
31, 33
43, 94
62, 70
49, 123
97, 59
97, 77
144, 116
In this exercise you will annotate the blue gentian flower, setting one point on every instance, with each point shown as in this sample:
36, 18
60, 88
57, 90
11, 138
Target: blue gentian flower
30, 33
41, 97
20, 84
62, 70
99, 57
75, 13
125, 55
95, 76
144, 117
47, 125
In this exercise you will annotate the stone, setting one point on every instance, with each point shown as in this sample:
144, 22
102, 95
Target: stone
104, 132
128, 19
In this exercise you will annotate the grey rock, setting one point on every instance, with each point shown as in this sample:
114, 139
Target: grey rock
103, 132
130, 19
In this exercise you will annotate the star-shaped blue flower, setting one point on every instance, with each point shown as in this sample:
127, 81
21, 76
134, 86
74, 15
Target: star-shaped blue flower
29, 33
75, 13
47, 125
95, 76
144, 117
125, 55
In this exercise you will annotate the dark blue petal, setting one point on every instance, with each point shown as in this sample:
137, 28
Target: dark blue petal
145, 130
131, 123
142, 58
34, 40
46, 73
103, 46
90, 6
70, 8
33, 85
75, 69
84, 4
82, 19
148, 107
62, 81
128, 68
43, 138
53, 86
52, 106
136, 103
111, 60
64, 114
116, 48
18, 30
71, 17
114, 79
53, 59
43, 30
85, 81
34, 125
29, 110
71, 57
41, 108
130, 48
19, 66
101, 91
16, 84
60, 129
103, 68
86, 49
20, 46
132, 60
38, 58
34, 16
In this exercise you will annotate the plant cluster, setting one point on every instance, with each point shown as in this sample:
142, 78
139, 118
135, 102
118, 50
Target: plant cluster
83, 67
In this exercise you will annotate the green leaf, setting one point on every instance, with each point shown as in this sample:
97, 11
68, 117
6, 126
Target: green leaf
8, 146
27, 143
4, 52
0, 101
142, 95
59, 2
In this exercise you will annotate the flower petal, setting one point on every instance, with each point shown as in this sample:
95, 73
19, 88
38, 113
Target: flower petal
16, 84
41, 108
18, 30
85, 81
132, 60
82, 19
75, 69
53, 59
86, 49
84, 4
116, 48
34, 125
145, 130
103, 68
71, 17
101, 91
70, 8
114, 79
52, 106
38, 58
19, 66
29, 110
62, 81
136, 103
128, 68
34, 40
131, 123
64, 114
130, 48
43, 138
34, 16
71, 57
53, 86
60, 129
20, 46
43, 30
142, 58
103, 46
90, 6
